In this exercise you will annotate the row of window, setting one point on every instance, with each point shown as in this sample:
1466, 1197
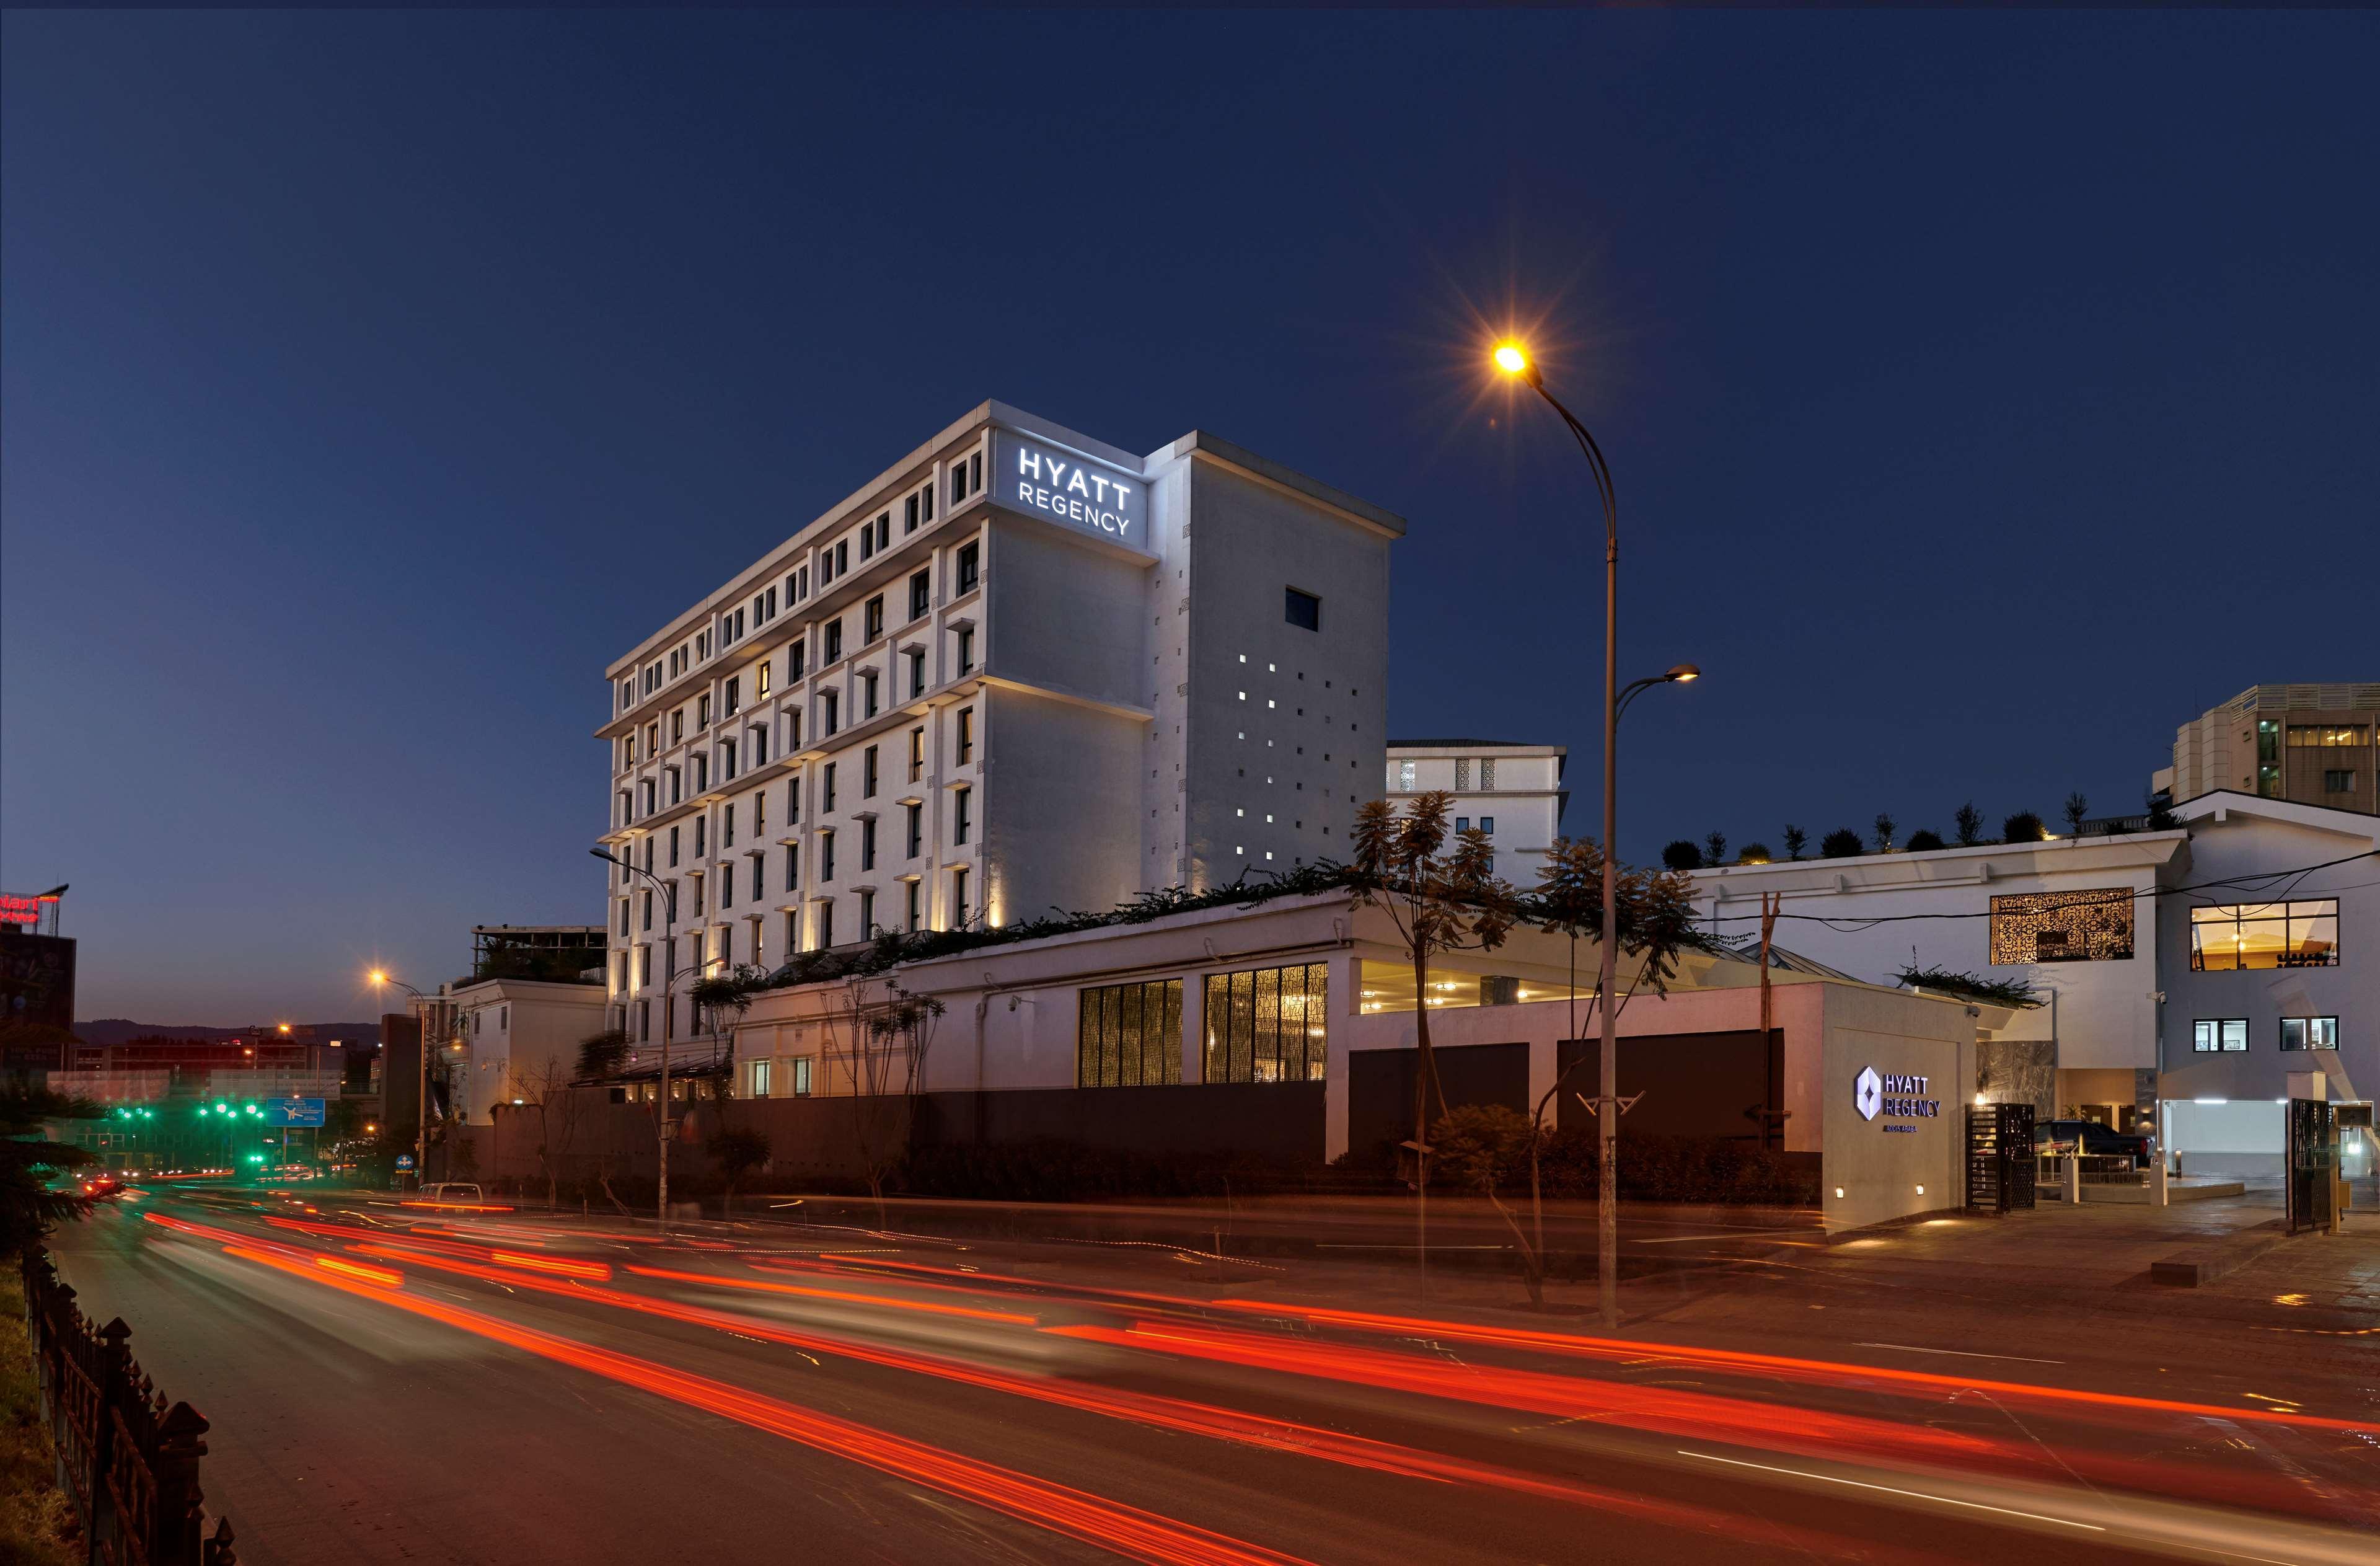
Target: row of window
2264, 935
1401, 776
819, 928
2212, 1036
1262, 1025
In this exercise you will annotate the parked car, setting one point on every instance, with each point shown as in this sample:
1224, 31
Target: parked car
450, 1191
2088, 1136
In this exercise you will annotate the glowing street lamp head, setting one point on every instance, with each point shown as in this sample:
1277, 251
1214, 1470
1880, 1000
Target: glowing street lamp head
377, 977
1685, 673
1512, 358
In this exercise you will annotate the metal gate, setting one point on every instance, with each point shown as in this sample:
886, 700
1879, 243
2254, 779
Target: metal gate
1999, 1157
2312, 1162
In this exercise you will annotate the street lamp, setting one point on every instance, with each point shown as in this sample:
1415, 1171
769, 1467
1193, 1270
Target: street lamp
669, 1010
421, 1084
1514, 359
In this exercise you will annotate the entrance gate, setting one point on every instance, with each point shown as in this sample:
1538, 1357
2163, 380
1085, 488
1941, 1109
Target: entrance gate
2000, 1165
2312, 1162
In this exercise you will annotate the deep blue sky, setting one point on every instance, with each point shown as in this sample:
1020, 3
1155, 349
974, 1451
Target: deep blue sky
1986, 392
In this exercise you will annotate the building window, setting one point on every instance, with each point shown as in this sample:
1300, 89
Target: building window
1130, 1035
648, 923
802, 1066
1487, 773
909, 516
702, 710
1463, 774
916, 889
841, 557
2220, 1034
872, 619
826, 787
758, 1079
959, 898
2309, 1033
917, 674
916, 753
797, 659
866, 907
868, 773
916, 831
962, 815
826, 921
794, 803
2264, 935
792, 869
833, 649
1268, 1025
2063, 927
970, 557
1487, 825
1462, 823
867, 844
868, 695
701, 829
2329, 736
673, 848
735, 696
966, 735
1303, 610
826, 856
967, 650
1401, 777
2335, 780
760, 680
920, 593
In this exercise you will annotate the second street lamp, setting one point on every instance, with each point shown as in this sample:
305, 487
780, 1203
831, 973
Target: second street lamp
669, 1010
1514, 359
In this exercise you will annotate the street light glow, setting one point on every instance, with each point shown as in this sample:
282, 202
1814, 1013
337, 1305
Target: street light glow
1685, 672
1510, 358
377, 977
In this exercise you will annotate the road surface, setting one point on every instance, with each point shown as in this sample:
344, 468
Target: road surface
398, 1383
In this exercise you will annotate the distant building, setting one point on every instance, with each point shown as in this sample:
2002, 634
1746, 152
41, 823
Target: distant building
514, 1026
2315, 745
1510, 791
37, 997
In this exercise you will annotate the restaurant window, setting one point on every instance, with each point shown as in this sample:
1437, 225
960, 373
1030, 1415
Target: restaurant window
2063, 927
2211, 1035
2264, 935
1266, 1025
1130, 1035
2309, 1033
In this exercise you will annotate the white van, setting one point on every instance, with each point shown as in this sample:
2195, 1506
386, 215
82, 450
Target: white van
450, 1191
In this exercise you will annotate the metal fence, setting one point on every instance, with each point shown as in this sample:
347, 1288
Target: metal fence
2092, 1168
127, 1461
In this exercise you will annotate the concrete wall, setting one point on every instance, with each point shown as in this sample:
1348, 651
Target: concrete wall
1064, 790
1894, 1165
1282, 722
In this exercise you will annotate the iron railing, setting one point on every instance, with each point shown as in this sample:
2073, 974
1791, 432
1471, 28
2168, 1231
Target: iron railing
128, 1462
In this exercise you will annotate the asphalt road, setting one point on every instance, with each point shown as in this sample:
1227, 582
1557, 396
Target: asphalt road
390, 1383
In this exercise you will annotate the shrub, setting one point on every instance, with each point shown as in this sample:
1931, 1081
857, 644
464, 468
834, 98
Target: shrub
1883, 832
1755, 854
2023, 827
1923, 839
1481, 1147
1795, 841
1714, 848
1970, 824
1683, 855
1841, 843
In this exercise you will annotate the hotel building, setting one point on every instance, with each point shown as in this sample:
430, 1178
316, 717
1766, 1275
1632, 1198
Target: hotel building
1511, 792
1018, 670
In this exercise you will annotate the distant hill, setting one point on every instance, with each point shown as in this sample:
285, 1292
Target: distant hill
117, 1030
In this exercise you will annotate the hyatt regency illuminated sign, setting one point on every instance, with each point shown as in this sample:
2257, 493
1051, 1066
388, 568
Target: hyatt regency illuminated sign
1893, 1096
1034, 477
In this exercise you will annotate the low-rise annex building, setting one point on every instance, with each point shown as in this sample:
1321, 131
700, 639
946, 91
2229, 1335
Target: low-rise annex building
1510, 791
1286, 1029
2186, 976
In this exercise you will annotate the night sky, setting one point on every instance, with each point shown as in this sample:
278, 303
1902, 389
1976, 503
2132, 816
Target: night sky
1986, 393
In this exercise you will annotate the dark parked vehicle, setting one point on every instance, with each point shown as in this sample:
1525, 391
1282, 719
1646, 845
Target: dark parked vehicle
2088, 1136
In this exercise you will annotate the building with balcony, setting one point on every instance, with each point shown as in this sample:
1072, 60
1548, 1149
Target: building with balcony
2315, 745
1510, 791
1018, 670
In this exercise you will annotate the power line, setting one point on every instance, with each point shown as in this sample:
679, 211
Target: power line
1852, 925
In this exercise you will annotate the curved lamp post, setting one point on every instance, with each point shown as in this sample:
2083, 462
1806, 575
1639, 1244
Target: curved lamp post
421, 1085
669, 1012
1514, 359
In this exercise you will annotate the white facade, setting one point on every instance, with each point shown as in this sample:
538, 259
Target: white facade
1019, 670
1513, 791
2124, 1030
517, 1038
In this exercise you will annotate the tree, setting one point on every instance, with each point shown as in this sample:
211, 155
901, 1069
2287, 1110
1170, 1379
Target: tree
2160, 813
1795, 841
1683, 855
29, 1162
1970, 824
558, 1110
1841, 843
600, 1055
890, 1034
1925, 839
1438, 900
1657, 922
2023, 827
1755, 854
738, 1150
2077, 807
1714, 848
1883, 832
721, 1000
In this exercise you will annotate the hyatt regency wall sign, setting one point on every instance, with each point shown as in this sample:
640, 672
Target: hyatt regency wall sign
1894, 1096
1033, 476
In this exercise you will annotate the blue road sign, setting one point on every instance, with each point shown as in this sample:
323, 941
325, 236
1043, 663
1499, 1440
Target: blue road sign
405, 1160
293, 1112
